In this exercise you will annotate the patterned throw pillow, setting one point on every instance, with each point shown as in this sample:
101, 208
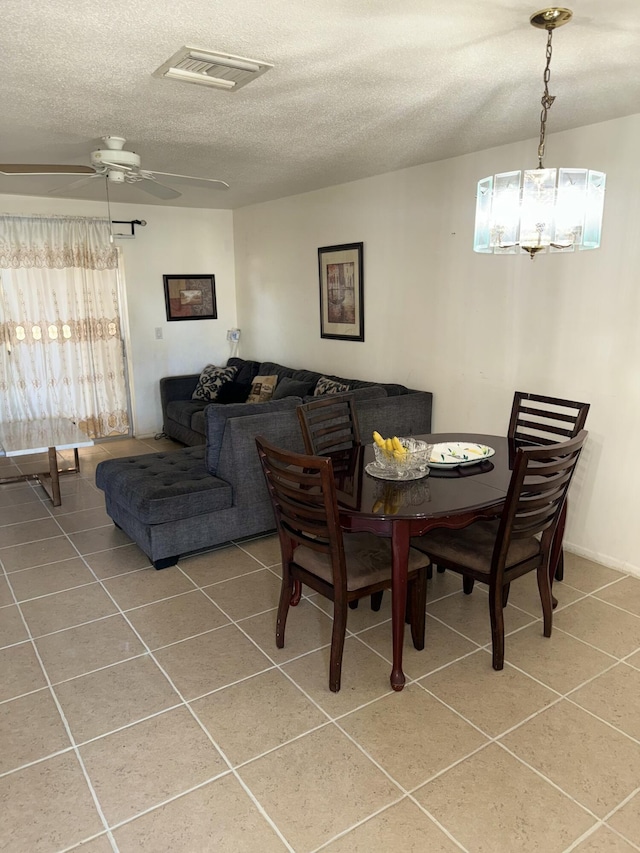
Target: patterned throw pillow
262, 388
329, 386
211, 379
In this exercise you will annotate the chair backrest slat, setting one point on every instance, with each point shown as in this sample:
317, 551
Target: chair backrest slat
329, 425
536, 419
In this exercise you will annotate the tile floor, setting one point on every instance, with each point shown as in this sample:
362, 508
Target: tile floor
151, 711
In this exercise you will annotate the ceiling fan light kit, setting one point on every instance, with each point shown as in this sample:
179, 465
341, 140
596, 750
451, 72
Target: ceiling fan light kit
540, 210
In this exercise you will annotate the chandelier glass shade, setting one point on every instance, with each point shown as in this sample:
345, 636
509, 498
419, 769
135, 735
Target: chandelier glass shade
540, 210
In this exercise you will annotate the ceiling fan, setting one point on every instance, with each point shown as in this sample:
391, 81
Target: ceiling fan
117, 166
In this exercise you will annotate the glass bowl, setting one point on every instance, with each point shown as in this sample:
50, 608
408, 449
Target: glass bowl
413, 463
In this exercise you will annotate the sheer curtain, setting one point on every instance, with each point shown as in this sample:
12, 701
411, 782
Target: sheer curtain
62, 348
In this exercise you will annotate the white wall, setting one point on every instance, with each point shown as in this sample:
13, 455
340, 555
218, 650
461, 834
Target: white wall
472, 328
174, 241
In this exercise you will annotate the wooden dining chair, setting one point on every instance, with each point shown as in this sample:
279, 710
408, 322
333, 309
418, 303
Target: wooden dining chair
315, 552
496, 552
329, 424
536, 419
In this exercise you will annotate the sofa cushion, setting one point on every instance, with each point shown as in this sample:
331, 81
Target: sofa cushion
210, 381
160, 487
182, 411
246, 369
262, 388
288, 387
325, 385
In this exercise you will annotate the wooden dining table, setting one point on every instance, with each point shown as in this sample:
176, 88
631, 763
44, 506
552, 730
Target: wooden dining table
452, 497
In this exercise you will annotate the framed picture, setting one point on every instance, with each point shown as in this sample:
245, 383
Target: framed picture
341, 292
190, 297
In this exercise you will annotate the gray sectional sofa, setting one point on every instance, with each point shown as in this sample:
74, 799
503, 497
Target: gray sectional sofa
209, 493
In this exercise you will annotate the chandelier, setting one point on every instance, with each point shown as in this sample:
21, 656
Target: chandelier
540, 210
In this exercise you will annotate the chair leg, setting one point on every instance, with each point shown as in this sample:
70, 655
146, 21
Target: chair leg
505, 594
430, 571
418, 608
497, 626
467, 584
286, 598
376, 600
560, 567
296, 594
337, 646
544, 588
441, 569
353, 605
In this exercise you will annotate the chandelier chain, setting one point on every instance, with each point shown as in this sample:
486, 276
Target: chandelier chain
547, 99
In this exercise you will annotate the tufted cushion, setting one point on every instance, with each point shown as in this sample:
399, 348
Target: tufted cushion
367, 557
159, 487
210, 381
329, 386
473, 546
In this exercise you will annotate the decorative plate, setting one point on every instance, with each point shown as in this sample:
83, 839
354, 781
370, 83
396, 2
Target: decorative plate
452, 453
381, 473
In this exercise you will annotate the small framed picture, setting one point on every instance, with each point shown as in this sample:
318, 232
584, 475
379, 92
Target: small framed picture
341, 292
190, 297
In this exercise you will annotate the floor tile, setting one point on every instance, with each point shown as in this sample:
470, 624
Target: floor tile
23, 512
365, 677
307, 628
559, 661
323, 774
146, 764
524, 594
211, 661
218, 817
5, 593
470, 800
469, 614
30, 729
85, 519
443, 584
218, 565
89, 541
43, 580
77, 502
103, 701
20, 671
614, 697
256, 715
634, 660
603, 840
176, 619
625, 593
29, 531
266, 549
627, 820
12, 628
117, 561
492, 700
586, 575
362, 617
412, 735
401, 827
246, 595
600, 624
147, 585
585, 757
75, 651
441, 646
100, 844
17, 493
47, 806
66, 609
37, 553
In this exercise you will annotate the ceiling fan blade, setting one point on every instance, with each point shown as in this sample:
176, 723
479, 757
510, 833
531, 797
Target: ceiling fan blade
211, 183
72, 186
157, 189
44, 169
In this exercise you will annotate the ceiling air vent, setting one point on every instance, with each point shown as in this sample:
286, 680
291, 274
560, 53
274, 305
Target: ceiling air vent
220, 70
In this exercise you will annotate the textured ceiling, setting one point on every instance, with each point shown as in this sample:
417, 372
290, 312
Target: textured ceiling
358, 88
